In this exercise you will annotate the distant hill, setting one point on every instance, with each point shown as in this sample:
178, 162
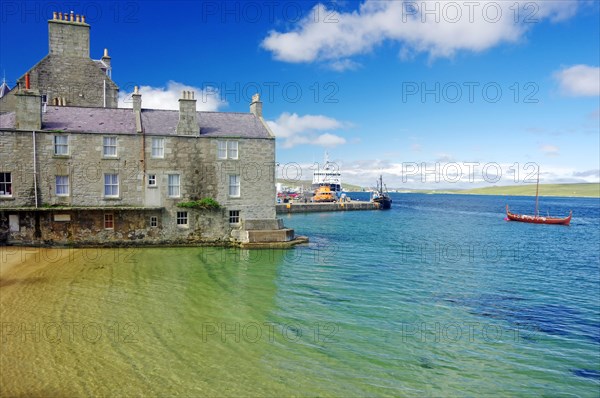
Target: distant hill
588, 190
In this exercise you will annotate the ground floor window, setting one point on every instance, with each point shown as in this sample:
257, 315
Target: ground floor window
109, 221
234, 216
154, 221
182, 218
5, 184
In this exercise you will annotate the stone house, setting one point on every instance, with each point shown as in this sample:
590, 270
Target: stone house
75, 169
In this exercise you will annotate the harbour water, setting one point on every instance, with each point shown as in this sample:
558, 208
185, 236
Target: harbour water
437, 297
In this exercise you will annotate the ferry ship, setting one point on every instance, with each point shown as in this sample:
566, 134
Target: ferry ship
329, 176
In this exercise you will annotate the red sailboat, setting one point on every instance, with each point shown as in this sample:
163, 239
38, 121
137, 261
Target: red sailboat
536, 219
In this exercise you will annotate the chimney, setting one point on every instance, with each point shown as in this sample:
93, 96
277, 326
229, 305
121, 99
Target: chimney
188, 117
28, 112
136, 98
256, 106
68, 35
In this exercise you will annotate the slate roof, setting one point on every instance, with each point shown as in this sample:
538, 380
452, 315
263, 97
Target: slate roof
154, 122
89, 120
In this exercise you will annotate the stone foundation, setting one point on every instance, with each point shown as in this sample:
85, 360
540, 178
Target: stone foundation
133, 227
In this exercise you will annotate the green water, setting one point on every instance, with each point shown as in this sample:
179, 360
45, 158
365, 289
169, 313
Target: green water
352, 314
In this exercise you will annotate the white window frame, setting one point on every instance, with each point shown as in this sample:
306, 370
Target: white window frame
232, 150
111, 184
228, 150
235, 185
222, 149
152, 180
62, 182
182, 219
109, 217
158, 148
153, 221
174, 185
5, 184
61, 148
109, 143
234, 215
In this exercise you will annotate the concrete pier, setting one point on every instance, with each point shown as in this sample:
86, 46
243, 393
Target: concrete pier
285, 208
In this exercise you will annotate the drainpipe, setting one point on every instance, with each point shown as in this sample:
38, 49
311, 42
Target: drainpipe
104, 92
35, 171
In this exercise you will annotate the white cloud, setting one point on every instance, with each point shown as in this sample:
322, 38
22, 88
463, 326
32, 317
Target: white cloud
549, 150
439, 28
344, 64
454, 175
442, 176
329, 140
167, 97
308, 129
579, 80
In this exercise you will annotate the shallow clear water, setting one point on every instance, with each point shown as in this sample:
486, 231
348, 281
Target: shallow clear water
439, 296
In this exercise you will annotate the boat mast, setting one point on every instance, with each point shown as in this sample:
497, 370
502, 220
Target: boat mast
537, 188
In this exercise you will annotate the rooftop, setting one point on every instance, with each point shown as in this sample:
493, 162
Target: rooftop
154, 122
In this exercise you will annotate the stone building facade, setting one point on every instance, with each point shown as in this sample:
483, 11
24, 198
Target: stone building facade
96, 175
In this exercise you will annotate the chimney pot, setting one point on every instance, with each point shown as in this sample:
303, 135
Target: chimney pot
72, 17
83, 18
60, 15
135, 89
54, 15
106, 52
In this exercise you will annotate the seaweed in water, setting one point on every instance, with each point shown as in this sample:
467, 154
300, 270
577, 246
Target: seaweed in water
552, 319
586, 373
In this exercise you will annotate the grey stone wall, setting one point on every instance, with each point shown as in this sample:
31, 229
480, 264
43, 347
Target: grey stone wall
16, 157
29, 116
70, 39
202, 175
131, 227
67, 71
79, 80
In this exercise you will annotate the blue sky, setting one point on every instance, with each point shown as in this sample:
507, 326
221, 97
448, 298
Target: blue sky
399, 88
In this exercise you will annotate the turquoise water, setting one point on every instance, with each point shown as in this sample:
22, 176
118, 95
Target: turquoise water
438, 297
